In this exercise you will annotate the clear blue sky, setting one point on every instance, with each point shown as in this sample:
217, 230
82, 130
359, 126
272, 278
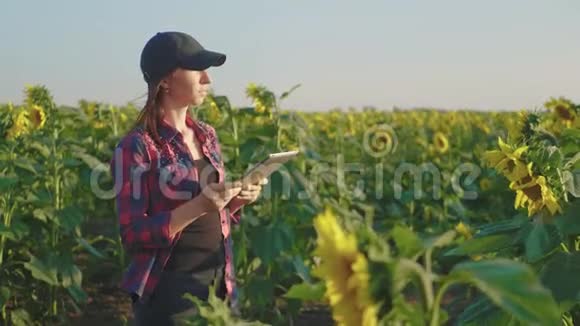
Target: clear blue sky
491, 54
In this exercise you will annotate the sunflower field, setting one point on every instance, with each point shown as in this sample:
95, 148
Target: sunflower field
388, 217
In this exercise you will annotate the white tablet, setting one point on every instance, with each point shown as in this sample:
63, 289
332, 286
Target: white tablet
267, 166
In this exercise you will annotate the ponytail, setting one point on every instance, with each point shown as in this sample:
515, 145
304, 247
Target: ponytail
149, 117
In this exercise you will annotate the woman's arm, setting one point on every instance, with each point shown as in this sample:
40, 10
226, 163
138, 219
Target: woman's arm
130, 167
214, 197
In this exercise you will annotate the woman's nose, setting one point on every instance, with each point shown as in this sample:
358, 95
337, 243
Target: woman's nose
205, 79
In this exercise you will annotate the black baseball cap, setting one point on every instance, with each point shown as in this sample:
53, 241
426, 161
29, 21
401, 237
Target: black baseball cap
166, 51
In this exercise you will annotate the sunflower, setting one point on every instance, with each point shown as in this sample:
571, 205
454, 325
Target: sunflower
535, 193
508, 161
563, 109
89, 108
98, 124
485, 128
214, 111
37, 116
260, 107
123, 117
441, 142
20, 125
345, 271
564, 112
351, 129
380, 140
464, 230
485, 184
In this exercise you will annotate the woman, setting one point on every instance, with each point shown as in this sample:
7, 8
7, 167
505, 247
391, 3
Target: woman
173, 204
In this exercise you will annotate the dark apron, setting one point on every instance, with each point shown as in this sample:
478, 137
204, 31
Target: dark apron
166, 304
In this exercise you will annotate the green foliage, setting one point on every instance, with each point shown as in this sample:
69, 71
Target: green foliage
54, 229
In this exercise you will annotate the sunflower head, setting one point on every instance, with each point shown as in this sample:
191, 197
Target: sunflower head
485, 184
564, 110
260, 107
20, 124
508, 160
464, 230
441, 143
534, 193
381, 140
98, 124
263, 99
213, 111
123, 117
351, 127
345, 272
37, 116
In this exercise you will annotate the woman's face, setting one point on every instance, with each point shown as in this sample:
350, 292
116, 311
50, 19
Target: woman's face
187, 87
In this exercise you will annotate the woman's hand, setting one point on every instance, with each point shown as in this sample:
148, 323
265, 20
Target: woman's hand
218, 195
248, 194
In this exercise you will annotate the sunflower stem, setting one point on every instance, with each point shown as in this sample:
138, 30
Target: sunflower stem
426, 280
437, 304
428, 261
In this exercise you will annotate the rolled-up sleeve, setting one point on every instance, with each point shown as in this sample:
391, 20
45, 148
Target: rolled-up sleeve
139, 229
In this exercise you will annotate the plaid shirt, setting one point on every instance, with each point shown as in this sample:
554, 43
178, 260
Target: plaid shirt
144, 198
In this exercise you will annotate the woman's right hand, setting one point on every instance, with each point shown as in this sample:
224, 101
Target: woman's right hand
218, 195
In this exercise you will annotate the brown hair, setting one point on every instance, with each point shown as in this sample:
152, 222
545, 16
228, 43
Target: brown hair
149, 117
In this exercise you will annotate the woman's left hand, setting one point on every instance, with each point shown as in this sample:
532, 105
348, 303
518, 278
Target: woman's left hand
250, 193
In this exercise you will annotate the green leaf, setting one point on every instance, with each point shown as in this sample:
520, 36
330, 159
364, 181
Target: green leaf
71, 162
269, 241
572, 134
70, 274
571, 181
25, 165
42, 271
281, 183
405, 313
44, 214
77, 293
287, 93
568, 223
442, 240
85, 244
476, 246
306, 291
69, 218
249, 150
7, 182
542, 240
262, 291
484, 313
560, 275
89, 160
512, 286
41, 148
301, 269
505, 226
4, 296
21, 317
6, 231
15, 231
408, 242
40, 198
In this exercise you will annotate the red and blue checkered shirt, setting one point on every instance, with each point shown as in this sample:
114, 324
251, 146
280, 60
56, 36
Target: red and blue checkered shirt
145, 175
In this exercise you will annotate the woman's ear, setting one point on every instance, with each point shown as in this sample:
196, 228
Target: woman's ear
164, 85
